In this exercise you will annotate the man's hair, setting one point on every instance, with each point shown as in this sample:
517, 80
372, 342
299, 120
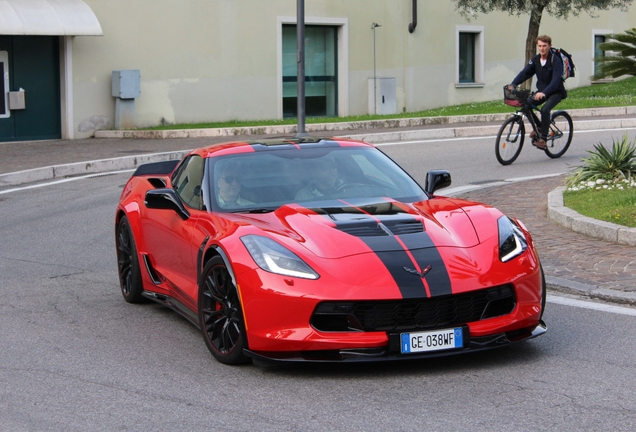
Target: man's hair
545, 39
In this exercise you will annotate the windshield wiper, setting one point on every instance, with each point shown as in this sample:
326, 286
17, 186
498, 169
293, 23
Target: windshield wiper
255, 210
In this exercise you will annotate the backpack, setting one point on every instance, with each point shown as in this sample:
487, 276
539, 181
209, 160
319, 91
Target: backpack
568, 64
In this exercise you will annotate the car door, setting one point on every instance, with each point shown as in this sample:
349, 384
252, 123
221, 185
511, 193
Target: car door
171, 246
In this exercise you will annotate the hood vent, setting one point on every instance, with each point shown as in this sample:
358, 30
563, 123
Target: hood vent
385, 228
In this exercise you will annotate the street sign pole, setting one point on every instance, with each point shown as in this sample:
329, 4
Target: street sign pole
300, 58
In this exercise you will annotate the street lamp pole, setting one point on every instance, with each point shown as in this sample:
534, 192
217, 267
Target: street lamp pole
375, 81
300, 59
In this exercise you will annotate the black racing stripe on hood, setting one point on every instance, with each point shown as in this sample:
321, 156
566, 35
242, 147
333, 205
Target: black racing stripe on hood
395, 260
392, 250
437, 278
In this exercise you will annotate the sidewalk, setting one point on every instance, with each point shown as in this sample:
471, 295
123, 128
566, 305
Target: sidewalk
573, 263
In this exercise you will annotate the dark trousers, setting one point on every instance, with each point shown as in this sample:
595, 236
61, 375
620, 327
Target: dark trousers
549, 103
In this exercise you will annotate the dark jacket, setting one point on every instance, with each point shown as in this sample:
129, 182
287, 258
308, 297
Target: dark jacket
549, 79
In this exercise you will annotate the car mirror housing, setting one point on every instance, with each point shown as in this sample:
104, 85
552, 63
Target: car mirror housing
437, 179
166, 199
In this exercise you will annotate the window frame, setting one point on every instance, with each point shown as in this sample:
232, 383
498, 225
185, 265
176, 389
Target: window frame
4, 77
598, 32
342, 72
186, 168
478, 31
311, 80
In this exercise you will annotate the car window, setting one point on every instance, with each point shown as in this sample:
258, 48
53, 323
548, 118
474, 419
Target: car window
188, 179
273, 177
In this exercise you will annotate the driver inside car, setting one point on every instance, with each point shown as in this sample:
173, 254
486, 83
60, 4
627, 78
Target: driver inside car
228, 187
324, 179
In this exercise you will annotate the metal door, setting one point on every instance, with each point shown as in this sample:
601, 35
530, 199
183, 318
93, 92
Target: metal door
30, 63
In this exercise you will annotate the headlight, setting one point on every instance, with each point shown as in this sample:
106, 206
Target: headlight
512, 242
275, 258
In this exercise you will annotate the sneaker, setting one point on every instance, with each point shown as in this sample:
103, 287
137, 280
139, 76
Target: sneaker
540, 144
532, 134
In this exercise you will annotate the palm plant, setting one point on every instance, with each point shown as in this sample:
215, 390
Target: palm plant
621, 61
617, 163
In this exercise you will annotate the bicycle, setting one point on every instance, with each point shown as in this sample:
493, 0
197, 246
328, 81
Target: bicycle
512, 133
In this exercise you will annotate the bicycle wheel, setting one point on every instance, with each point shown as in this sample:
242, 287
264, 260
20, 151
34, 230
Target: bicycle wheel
561, 130
510, 140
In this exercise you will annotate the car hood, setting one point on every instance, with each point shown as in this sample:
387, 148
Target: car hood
333, 229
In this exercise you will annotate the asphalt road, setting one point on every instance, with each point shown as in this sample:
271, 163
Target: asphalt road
75, 356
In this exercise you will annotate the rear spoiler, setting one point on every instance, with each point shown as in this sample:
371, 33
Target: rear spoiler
156, 168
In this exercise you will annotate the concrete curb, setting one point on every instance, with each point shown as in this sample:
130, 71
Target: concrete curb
370, 125
81, 168
480, 131
290, 129
592, 291
576, 222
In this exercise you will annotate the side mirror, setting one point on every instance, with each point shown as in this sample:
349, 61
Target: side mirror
437, 179
166, 199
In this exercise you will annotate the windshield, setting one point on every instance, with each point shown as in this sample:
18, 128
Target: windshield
266, 180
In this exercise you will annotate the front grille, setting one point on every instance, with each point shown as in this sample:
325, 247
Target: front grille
414, 314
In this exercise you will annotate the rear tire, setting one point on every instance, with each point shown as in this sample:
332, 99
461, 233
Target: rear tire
561, 129
510, 140
128, 263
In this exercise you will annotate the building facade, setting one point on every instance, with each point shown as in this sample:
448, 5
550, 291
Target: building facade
218, 60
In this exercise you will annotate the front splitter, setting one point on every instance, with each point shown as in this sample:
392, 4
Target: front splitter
385, 354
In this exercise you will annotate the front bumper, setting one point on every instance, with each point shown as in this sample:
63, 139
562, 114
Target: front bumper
392, 351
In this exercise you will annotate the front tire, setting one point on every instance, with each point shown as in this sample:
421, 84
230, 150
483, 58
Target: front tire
561, 129
128, 263
510, 140
220, 314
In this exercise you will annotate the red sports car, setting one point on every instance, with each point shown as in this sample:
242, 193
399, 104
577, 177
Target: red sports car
315, 249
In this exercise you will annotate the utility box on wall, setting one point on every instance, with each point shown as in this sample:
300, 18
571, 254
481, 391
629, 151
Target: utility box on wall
126, 87
126, 84
384, 93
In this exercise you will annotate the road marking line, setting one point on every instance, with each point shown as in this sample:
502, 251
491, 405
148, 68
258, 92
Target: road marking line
583, 304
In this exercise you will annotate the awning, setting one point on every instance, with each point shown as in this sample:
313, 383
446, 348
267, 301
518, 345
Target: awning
48, 18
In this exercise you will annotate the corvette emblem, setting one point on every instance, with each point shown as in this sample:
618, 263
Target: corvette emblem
420, 274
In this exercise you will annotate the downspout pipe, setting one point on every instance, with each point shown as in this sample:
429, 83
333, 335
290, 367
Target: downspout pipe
414, 23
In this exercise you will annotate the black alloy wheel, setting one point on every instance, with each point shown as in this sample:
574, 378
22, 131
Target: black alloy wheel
128, 263
220, 314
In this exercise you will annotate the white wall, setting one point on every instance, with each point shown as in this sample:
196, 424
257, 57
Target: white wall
215, 60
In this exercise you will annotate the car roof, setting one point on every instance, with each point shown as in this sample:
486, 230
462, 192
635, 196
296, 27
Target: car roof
297, 142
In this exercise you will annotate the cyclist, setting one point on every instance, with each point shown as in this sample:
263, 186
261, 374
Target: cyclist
548, 68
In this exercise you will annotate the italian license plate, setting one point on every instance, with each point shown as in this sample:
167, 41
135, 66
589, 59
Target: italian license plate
431, 340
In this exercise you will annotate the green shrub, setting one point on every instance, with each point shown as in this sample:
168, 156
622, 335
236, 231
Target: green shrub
615, 164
